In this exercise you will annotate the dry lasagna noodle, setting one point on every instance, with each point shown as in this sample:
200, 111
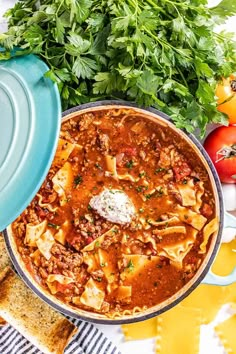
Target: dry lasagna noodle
140, 330
178, 331
226, 332
208, 298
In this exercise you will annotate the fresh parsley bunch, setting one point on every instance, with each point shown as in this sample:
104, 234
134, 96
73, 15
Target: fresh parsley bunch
159, 53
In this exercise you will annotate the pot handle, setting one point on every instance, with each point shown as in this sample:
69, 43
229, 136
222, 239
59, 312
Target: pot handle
213, 279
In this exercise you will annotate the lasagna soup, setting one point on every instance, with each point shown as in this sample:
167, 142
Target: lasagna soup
124, 218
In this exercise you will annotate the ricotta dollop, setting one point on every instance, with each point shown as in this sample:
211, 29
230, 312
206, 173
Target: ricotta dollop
113, 205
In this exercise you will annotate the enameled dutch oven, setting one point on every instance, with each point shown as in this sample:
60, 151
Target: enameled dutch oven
203, 274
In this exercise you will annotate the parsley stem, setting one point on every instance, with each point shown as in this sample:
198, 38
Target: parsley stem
182, 76
152, 3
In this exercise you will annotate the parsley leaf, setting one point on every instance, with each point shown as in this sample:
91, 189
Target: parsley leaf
164, 53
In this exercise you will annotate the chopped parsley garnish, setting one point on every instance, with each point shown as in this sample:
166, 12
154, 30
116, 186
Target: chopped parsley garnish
130, 266
97, 244
98, 166
142, 174
115, 231
148, 196
184, 181
129, 164
78, 180
141, 210
89, 207
160, 192
102, 264
55, 226
158, 266
140, 189
99, 279
158, 170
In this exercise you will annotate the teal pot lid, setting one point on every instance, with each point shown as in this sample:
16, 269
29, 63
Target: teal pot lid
30, 117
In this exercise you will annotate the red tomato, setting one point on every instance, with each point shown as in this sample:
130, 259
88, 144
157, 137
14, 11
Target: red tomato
226, 93
221, 147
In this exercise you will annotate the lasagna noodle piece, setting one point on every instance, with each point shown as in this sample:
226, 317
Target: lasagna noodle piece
92, 261
60, 236
190, 217
177, 252
62, 181
33, 233
178, 331
172, 220
34, 319
64, 149
98, 241
52, 279
146, 238
108, 266
92, 296
140, 330
45, 243
45, 205
138, 127
136, 309
208, 230
171, 230
127, 177
136, 263
226, 332
111, 166
199, 194
124, 293
187, 192
35, 256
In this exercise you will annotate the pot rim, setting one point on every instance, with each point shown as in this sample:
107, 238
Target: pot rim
142, 315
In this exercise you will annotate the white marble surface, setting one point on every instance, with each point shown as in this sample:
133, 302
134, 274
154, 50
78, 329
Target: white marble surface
209, 343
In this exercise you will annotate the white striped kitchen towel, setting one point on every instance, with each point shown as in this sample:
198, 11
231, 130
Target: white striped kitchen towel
88, 340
